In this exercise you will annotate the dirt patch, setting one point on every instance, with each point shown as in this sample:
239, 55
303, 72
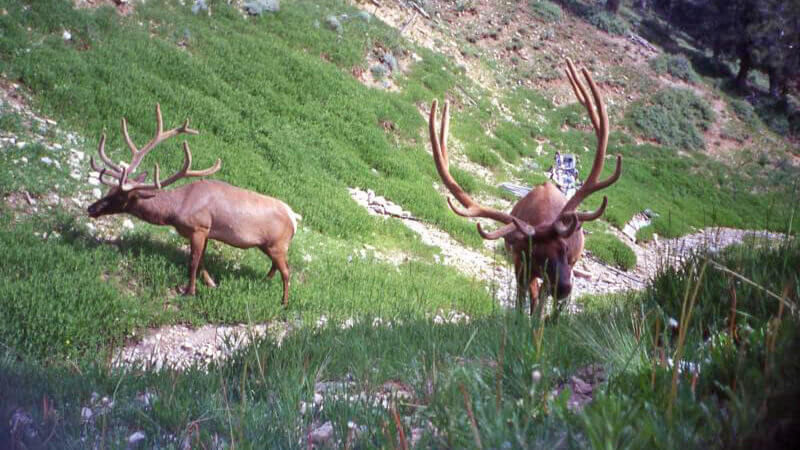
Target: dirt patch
179, 347
123, 7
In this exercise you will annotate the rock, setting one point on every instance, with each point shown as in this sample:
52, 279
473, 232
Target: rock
135, 439
321, 435
46, 160
580, 386
86, 414
97, 193
127, 224
318, 399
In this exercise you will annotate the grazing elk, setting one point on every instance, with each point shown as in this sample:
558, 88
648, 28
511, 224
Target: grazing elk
543, 231
202, 210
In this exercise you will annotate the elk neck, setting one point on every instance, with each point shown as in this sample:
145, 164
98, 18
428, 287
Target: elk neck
159, 209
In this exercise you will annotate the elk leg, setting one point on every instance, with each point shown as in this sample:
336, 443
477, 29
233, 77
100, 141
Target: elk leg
521, 281
272, 271
278, 257
204, 273
534, 288
283, 266
198, 242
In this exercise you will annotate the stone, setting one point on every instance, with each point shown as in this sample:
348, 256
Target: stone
321, 435
581, 386
86, 414
135, 439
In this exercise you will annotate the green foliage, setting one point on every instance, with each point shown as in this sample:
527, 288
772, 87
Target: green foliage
744, 111
498, 367
546, 10
608, 248
673, 117
771, 266
678, 66
610, 23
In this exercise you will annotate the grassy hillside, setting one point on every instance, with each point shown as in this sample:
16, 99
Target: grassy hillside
495, 381
274, 97
278, 98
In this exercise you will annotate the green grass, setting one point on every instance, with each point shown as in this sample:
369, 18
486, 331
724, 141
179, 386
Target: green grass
673, 117
546, 10
499, 367
293, 125
605, 246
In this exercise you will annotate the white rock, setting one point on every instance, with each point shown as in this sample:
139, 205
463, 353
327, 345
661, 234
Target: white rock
90, 226
21, 144
321, 435
127, 224
135, 438
318, 399
66, 35
46, 160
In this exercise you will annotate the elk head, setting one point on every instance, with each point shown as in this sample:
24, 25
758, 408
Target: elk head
125, 192
543, 231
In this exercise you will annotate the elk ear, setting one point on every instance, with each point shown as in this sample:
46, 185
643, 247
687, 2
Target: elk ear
144, 194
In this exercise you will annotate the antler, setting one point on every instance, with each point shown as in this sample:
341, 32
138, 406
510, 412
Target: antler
599, 119
120, 174
439, 144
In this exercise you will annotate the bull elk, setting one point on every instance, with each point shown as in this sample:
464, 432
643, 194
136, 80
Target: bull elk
543, 231
202, 210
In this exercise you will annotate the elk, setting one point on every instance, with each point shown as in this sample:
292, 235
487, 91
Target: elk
543, 231
202, 210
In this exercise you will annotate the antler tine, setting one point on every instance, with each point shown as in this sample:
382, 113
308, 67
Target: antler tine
598, 115
438, 143
103, 180
581, 94
184, 172
101, 149
443, 133
589, 216
160, 136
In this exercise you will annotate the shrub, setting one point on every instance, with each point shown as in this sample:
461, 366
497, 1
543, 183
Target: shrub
744, 111
676, 65
547, 11
674, 117
607, 248
610, 23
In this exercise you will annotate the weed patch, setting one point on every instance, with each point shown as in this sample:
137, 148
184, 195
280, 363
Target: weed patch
546, 10
678, 66
673, 117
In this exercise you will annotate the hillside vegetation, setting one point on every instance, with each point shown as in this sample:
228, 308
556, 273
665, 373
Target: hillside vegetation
282, 99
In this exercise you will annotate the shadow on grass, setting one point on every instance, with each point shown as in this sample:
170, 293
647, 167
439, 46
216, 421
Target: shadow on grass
141, 244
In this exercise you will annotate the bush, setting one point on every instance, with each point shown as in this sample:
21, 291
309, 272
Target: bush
607, 248
676, 65
547, 11
744, 111
674, 117
609, 23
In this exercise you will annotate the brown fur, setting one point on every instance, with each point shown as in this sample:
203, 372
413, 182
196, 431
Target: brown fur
210, 209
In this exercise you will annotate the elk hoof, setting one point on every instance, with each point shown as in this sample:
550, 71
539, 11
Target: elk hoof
189, 291
207, 279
